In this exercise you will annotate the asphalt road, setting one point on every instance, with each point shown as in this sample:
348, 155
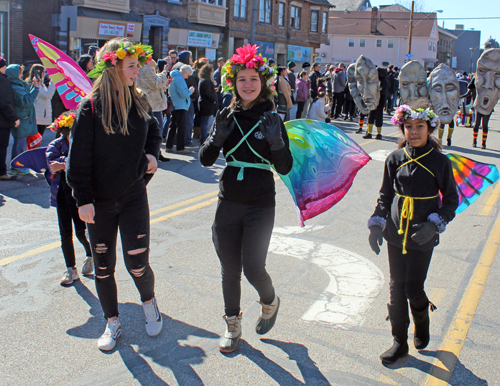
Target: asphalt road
331, 327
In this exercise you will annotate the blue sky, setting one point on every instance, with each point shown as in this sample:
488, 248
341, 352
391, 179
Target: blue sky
462, 9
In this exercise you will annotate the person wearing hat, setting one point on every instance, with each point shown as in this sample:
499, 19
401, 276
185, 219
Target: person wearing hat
306, 66
8, 118
291, 78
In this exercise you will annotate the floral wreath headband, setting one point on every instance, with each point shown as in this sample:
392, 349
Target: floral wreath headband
247, 57
63, 120
404, 112
138, 51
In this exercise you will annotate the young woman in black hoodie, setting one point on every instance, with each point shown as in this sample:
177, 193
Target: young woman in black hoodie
252, 138
114, 149
410, 215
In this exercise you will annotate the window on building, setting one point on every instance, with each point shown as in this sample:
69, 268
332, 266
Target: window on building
295, 17
281, 15
240, 8
430, 46
362, 42
314, 21
434, 47
351, 42
328, 42
390, 43
265, 11
214, 2
379, 43
4, 33
324, 23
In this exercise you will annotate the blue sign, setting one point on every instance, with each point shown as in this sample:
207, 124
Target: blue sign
299, 53
266, 49
409, 56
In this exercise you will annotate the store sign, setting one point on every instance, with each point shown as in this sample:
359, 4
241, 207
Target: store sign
199, 39
266, 49
299, 53
210, 54
115, 30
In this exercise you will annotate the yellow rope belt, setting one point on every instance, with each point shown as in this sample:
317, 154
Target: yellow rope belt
407, 213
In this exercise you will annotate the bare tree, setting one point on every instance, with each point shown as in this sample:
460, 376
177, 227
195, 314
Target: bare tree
420, 5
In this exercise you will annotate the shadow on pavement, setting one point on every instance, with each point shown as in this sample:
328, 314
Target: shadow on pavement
163, 349
467, 377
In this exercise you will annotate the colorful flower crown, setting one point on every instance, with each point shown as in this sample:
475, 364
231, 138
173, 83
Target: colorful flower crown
247, 57
63, 120
140, 52
404, 112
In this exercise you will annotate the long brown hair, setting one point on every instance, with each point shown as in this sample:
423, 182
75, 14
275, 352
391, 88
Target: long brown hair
113, 96
265, 95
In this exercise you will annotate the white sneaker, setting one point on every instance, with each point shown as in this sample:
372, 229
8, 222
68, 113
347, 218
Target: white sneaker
107, 341
70, 276
88, 266
154, 321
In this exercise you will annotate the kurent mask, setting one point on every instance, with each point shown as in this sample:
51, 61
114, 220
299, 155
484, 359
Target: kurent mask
352, 83
488, 81
444, 92
368, 85
412, 82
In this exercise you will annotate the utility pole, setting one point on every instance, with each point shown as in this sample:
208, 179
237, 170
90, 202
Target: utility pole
253, 25
411, 27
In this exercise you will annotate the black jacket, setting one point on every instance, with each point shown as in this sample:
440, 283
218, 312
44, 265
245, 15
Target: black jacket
315, 75
192, 81
208, 97
414, 181
8, 115
257, 187
102, 166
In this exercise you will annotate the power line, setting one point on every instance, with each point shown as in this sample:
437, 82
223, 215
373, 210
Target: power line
406, 18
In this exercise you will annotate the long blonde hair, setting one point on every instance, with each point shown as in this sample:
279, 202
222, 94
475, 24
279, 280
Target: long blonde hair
111, 92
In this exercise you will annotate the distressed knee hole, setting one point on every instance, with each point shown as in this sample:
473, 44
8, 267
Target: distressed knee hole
141, 236
101, 248
102, 277
138, 272
137, 251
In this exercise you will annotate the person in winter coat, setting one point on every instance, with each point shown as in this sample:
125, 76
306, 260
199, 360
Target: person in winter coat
8, 118
318, 110
284, 88
154, 85
43, 101
302, 93
252, 137
115, 143
185, 57
181, 99
208, 100
61, 197
313, 78
339, 83
418, 198
24, 103
292, 79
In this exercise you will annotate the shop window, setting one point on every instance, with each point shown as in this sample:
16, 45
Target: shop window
390, 43
281, 14
324, 23
362, 42
295, 17
4, 33
379, 43
265, 11
314, 21
240, 8
351, 42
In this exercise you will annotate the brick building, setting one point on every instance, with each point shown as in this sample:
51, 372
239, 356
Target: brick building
11, 29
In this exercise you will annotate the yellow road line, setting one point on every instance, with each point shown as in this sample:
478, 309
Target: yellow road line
185, 210
32, 252
489, 203
183, 203
454, 339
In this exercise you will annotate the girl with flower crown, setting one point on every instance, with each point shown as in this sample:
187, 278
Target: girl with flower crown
252, 138
61, 197
114, 149
410, 215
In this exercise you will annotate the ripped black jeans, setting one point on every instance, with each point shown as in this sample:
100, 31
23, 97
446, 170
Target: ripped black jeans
130, 214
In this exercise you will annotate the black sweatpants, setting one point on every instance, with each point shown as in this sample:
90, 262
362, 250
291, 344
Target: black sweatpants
130, 214
300, 109
67, 214
338, 98
177, 129
408, 274
241, 235
377, 116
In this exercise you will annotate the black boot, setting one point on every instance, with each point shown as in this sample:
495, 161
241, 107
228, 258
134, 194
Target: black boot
399, 322
420, 313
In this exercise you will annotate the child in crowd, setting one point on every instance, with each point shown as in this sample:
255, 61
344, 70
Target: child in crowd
61, 197
318, 109
410, 215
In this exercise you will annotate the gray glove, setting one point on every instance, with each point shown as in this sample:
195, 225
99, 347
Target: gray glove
270, 127
224, 125
424, 232
375, 239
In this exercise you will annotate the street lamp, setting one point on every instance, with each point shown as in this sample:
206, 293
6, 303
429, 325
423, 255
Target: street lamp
411, 25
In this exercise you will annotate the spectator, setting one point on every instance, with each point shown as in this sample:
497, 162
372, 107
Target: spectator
302, 93
207, 101
86, 63
24, 103
339, 82
322, 85
174, 55
318, 108
185, 57
391, 88
43, 105
292, 80
180, 94
284, 94
198, 64
8, 119
154, 86
313, 77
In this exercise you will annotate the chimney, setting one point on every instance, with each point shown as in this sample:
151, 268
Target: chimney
459, 27
373, 28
